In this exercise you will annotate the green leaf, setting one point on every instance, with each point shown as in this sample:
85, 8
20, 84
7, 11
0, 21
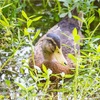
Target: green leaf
21, 20
8, 33
77, 38
99, 12
59, 5
44, 68
26, 32
22, 70
24, 15
8, 82
75, 35
1, 97
74, 32
32, 16
5, 19
72, 57
36, 35
69, 14
21, 86
0, 10
29, 22
77, 18
82, 66
68, 76
7, 5
3, 23
91, 19
30, 88
37, 18
98, 48
87, 31
32, 75
63, 15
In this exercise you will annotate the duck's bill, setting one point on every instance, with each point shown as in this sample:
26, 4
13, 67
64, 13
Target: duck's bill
59, 56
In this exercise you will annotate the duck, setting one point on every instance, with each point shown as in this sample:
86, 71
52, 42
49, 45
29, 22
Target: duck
52, 49
48, 51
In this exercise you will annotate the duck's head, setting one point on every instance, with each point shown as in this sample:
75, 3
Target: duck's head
51, 48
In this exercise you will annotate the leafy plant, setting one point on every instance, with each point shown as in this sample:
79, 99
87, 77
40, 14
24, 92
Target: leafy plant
81, 5
21, 23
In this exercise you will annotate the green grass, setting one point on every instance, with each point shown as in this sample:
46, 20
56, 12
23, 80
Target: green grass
21, 23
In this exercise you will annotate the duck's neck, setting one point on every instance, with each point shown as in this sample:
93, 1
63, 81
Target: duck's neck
49, 57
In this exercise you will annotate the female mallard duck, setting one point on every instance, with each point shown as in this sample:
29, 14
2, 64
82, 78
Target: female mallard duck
50, 51
64, 30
